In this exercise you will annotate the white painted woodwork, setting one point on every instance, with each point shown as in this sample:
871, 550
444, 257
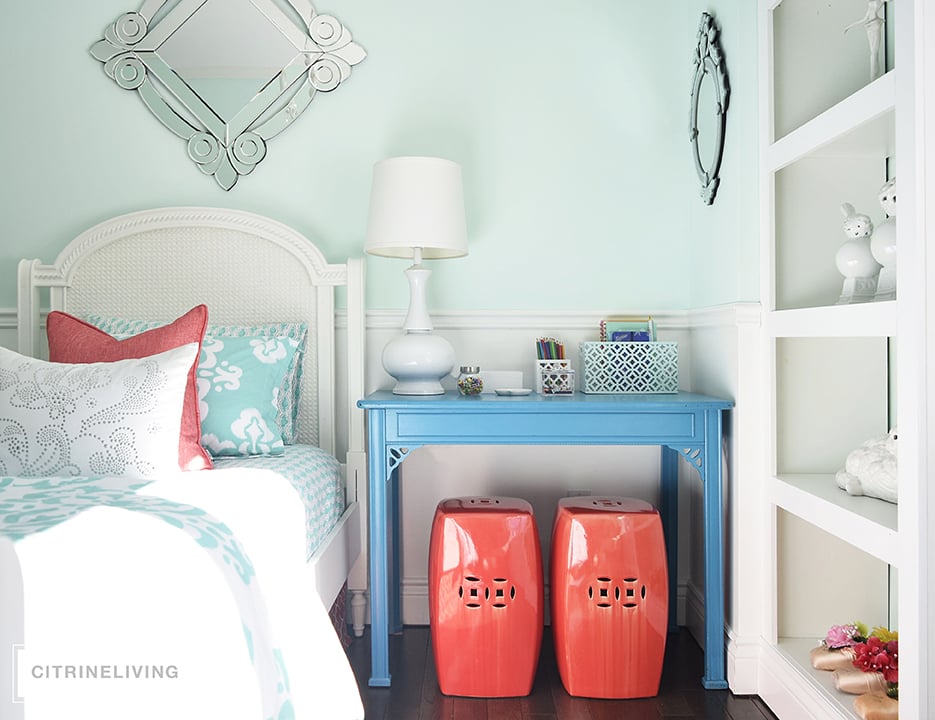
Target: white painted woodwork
833, 378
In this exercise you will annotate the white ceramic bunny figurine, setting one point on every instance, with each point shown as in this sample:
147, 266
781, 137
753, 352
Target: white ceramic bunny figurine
871, 469
883, 243
854, 258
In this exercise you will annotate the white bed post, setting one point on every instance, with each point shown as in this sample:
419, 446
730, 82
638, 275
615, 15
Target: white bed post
327, 433
30, 276
27, 303
356, 454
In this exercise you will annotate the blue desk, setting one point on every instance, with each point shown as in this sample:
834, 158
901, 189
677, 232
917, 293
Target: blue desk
683, 424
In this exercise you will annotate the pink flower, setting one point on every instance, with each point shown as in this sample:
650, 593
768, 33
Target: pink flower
841, 636
876, 651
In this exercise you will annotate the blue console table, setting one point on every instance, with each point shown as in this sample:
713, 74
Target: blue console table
684, 424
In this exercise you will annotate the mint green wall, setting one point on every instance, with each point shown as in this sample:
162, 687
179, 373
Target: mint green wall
569, 119
724, 244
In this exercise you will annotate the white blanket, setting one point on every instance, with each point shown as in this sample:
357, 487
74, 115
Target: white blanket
144, 605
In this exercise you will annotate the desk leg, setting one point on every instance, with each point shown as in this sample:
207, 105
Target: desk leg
715, 674
395, 617
377, 462
670, 524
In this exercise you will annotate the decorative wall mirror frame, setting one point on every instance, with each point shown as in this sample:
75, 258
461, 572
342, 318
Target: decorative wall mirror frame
710, 93
227, 75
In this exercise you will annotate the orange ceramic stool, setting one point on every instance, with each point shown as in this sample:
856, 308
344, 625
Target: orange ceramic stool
610, 596
485, 596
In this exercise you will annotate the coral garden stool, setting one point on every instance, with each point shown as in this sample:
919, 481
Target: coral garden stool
485, 596
610, 596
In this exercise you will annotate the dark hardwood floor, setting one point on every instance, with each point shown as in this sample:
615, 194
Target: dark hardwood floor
414, 694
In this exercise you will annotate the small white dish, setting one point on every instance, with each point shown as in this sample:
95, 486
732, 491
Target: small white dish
512, 391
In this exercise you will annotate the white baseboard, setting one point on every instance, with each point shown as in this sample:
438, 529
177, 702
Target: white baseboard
743, 654
743, 665
415, 602
691, 601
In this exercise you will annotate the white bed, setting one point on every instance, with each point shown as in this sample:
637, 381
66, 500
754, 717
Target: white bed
123, 582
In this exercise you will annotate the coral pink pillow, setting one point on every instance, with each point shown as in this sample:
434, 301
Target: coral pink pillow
74, 341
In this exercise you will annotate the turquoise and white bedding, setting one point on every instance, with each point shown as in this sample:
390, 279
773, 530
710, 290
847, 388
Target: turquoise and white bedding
204, 572
316, 477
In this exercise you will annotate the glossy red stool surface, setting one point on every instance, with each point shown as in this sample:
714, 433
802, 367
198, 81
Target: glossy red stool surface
610, 596
485, 596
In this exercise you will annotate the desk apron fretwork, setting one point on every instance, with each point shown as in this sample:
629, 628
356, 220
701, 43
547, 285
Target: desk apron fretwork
685, 424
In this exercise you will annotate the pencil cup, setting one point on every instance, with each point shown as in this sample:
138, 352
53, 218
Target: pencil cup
554, 377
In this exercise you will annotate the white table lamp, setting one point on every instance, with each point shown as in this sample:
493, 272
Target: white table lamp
417, 211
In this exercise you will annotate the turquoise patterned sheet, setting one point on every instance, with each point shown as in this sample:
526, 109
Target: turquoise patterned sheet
314, 474
31, 505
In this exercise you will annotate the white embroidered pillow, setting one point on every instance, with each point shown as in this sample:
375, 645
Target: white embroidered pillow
110, 418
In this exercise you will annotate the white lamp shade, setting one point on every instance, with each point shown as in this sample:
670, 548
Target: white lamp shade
416, 202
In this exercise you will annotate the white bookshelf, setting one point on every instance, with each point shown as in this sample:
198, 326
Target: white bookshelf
860, 124
866, 523
829, 135
877, 319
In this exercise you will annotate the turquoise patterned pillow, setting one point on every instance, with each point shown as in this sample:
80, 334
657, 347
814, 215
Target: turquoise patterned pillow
289, 394
240, 381
287, 416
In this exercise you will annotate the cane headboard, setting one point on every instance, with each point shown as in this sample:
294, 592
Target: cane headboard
154, 265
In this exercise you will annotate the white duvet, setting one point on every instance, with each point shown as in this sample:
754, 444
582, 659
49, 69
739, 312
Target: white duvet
117, 603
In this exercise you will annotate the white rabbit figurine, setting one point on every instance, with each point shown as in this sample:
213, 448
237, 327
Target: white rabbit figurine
871, 469
883, 243
854, 258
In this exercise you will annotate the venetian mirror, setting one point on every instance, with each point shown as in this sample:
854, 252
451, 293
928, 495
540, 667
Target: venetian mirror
227, 75
710, 92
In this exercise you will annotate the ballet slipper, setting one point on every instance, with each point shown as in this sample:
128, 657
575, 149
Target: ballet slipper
858, 682
838, 659
875, 706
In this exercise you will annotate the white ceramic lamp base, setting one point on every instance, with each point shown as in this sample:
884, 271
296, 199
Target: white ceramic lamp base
418, 361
